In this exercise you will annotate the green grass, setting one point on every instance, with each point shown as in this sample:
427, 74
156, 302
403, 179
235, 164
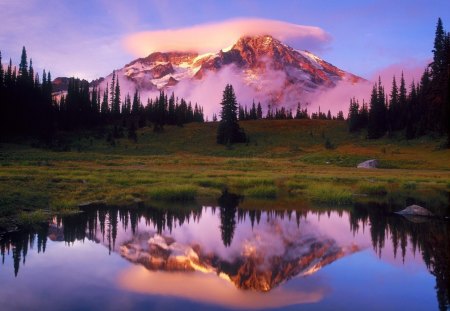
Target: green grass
261, 192
409, 185
173, 193
372, 188
284, 159
330, 194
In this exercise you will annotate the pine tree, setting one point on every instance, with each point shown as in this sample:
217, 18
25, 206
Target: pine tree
253, 113
228, 131
116, 102
112, 91
363, 115
393, 111
2, 74
31, 74
410, 130
171, 113
439, 50
241, 113
136, 103
377, 113
353, 116
104, 109
259, 112
23, 66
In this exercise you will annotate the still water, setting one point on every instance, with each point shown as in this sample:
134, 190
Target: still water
225, 257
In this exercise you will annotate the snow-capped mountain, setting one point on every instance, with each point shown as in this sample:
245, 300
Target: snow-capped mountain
260, 68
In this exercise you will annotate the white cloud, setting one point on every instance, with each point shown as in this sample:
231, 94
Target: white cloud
215, 36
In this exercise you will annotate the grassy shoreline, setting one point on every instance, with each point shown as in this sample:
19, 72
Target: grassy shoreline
284, 159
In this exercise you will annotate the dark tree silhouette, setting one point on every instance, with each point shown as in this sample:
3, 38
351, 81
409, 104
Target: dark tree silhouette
229, 131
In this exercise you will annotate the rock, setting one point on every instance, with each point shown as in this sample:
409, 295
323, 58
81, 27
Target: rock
415, 210
368, 164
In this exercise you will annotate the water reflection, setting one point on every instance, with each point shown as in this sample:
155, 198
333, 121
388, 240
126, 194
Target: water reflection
258, 250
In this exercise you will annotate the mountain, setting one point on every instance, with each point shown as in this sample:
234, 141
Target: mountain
262, 67
253, 57
256, 267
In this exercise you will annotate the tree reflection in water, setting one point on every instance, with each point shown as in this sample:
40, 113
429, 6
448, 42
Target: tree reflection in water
429, 238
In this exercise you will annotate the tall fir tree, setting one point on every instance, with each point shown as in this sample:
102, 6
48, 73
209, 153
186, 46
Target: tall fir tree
112, 91
377, 113
23, 66
116, 103
2, 73
259, 112
136, 103
353, 116
438, 50
104, 109
228, 131
393, 109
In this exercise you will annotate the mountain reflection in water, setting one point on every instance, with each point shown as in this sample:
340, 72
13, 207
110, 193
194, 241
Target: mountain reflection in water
237, 257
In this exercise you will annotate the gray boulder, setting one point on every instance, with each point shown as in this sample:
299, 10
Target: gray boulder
368, 164
415, 210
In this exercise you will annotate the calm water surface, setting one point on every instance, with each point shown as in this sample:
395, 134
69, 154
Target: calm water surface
205, 258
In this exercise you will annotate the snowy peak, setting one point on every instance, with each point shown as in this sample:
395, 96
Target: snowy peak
275, 71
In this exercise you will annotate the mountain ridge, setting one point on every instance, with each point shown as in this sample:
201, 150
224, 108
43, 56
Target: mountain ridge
275, 72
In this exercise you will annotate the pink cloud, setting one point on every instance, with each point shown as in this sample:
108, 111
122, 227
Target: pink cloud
338, 98
215, 36
412, 70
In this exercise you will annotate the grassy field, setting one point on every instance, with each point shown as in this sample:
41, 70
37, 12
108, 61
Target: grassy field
284, 160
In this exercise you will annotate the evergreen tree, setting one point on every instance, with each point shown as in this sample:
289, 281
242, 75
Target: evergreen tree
393, 110
402, 104
363, 115
116, 103
136, 103
104, 109
410, 131
377, 113
31, 74
353, 116
439, 50
171, 115
2, 74
253, 113
241, 113
228, 131
259, 112
112, 91
23, 66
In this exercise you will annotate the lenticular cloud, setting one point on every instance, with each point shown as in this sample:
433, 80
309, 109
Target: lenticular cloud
215, 36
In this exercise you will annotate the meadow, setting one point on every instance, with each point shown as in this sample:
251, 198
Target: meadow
290, 161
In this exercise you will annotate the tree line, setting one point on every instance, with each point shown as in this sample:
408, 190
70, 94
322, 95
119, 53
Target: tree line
422, 109
29, 108
282, 113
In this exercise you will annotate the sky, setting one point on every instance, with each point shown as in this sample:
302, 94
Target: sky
90, 38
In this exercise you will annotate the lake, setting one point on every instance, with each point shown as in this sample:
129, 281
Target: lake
225, 257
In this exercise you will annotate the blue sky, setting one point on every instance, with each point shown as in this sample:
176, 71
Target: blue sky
86, 38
